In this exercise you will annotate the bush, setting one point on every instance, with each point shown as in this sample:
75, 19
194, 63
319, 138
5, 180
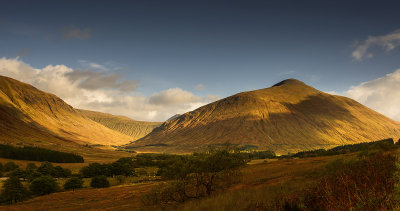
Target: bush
198, 175
364, 184
43, 185
31, 166
13, 191
100, 182
19, 173
10, 166
73, 183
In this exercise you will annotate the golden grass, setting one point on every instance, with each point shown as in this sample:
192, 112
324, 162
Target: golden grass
287, 118
122, 124
260, 181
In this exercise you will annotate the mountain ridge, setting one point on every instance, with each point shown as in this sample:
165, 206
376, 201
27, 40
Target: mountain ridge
32, 117
125, 125
287, 117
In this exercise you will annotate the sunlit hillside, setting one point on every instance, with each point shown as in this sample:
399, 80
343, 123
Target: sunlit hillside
122, 124
288, 117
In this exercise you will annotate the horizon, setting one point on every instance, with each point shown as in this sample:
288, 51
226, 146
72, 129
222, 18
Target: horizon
151, 60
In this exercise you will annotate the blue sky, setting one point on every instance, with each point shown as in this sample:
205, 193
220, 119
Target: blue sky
223, 47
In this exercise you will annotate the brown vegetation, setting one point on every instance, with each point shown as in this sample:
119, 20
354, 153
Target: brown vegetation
31, 117
288, 117
122, 124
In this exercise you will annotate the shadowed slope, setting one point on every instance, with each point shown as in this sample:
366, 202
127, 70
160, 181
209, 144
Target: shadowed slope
122, 124
287, 117
32, 117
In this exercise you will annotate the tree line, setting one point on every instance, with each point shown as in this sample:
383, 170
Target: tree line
38, 154
385, 144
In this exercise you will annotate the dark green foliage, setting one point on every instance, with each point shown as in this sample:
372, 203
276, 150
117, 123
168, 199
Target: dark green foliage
384, 145
123, 166
95, 169
259, 154
248, 147
1, 167
47, 168
38, 154
13, 191
73, 183
19, 173
43, 185
99, 182
31, 166
9, 166
32, 175
197, 175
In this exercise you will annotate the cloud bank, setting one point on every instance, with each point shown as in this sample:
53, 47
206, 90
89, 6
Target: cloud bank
382, 94
387, 42
103, 91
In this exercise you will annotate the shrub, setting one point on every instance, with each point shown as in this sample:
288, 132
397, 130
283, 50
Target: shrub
198, 175
100, 182
73, 183
19, 173
32, 175
43, 185
364, 184
10, 166
13, 190
31, 166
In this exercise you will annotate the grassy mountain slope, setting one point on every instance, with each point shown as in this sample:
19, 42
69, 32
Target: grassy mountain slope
122, 124
32, 117
288, 117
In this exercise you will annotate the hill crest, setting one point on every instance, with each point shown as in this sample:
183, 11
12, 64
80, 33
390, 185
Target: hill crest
287, 117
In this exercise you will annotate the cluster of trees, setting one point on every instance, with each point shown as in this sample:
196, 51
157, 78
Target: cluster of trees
123, 166
385, 144
197, 175
40, 180
38, 154
259, 154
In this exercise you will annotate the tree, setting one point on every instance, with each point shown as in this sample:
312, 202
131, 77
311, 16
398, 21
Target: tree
32, 175
73, 183
200, 174
18, 173
13, 190
46, 169
43, 185
100, 182
10, 166
31, 166
61, 172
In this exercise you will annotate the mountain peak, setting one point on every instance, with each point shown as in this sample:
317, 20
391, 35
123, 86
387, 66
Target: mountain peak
289, 81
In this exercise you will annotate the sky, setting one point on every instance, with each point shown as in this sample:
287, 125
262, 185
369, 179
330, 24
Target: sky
149, 60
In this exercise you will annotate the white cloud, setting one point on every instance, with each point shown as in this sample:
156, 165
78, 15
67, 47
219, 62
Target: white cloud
387, 42
92, 65
382, 94
200, 87
103, 91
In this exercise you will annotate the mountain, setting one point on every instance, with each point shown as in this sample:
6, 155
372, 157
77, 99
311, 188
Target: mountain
122, 124
287, 117
32, 117
174, 117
